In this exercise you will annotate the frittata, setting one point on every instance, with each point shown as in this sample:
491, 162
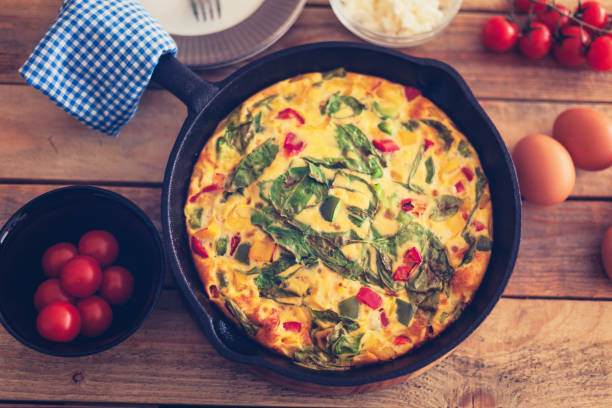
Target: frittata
340, 219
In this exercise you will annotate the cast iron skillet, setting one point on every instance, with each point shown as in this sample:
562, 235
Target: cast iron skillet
208, 103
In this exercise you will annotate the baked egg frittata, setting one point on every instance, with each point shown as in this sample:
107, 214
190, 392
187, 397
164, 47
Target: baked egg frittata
340, 219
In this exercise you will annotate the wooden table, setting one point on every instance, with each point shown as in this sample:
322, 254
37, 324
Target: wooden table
548, 342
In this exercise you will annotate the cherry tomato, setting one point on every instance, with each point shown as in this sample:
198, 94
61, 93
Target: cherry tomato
593, 13
499, 34
100, 245
96, 316
50, 291
59, 321
56, 256
526, 5
552, 19
117, 285
81, 276
536, 42
599, 55
571, 50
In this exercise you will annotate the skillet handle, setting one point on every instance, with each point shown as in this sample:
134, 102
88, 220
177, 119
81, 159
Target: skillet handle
183, 83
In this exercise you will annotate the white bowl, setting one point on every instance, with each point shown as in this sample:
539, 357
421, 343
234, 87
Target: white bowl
449, 8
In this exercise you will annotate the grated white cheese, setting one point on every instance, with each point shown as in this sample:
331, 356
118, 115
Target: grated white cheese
396, 17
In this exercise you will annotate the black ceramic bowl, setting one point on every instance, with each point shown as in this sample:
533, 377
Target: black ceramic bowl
66, 214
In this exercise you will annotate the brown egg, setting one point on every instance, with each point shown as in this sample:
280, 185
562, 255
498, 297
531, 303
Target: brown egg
606, 252
587, 135
545, 170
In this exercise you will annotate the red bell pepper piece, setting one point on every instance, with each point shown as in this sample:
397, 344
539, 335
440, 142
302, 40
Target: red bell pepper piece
207, 189
234, 243
379, 83
214, 292
198, 247
412, 259
428, 144
412, 256
479, 226
385, 145
403, 272
459, 187
369, 298
292, 326
411, 93
383, 319
399, 340
469, 174
407, 205
290, 114
290, 146
465, 216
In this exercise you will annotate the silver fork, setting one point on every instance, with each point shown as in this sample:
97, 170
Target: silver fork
205, 9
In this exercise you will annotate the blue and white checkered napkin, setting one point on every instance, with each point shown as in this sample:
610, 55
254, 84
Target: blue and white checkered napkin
96, 60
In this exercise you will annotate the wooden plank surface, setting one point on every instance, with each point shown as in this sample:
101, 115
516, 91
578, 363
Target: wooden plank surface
554, 351
549, 264
459, 45
521, 352
52, 145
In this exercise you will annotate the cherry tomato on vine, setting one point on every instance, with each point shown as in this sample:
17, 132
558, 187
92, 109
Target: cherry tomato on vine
50, 291
593, 13
553, 19
599, 55
56, 256
96, 316
59, 321
499, 34
100, 245
526, 5
536, 41
117, 285
81, 276
570, 50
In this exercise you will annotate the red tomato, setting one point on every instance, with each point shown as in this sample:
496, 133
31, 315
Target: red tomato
499, 34
56, 256
552, 19
536, 42
117, 285
96, 316
50, 291
571, 50
100, 245
81, 276
59, 321
526, 5
593, 13
599, 56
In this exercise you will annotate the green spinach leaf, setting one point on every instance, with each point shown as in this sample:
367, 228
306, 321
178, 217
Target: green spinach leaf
295, 191
411, 125
445, 207
248, 326
265, 102
252, 166
341, 344
334, 73
468, 256
257, 123
464, 149
442, 132
484, 244
431, 170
